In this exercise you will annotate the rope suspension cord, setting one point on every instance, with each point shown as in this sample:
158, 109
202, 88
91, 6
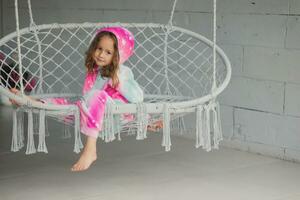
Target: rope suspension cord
169, 27
172, 13
19, 47
166, 116
35, 31
214, 85
30, 13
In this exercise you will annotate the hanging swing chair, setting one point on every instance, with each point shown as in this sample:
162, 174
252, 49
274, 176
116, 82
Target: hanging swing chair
180, 72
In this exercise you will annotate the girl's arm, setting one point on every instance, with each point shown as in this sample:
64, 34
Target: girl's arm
89, 81
128, 87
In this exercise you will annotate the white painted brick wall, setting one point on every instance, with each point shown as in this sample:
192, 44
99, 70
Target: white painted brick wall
292, 99
260, 30
272, 64
254, 94
293, 32
227, 121
197, 22
268, 128
235, 53
295, 7
254, 7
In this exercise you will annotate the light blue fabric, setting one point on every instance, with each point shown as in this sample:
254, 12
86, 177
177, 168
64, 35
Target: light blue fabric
128, 87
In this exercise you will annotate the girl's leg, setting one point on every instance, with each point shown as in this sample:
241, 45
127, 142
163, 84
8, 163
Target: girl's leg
91, 118
88, 156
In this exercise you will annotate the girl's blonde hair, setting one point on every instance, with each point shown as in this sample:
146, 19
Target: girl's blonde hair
110, 71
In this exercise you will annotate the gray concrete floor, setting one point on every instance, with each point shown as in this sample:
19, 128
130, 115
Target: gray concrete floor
141, 170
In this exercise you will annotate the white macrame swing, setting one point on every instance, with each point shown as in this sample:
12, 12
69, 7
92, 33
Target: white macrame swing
179, 70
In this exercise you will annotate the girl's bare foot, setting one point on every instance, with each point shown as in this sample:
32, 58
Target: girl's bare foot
155, 126
88, 156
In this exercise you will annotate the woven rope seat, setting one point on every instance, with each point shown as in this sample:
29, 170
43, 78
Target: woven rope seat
180, 72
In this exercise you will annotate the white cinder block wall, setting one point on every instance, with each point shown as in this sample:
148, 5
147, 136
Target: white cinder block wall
261, 107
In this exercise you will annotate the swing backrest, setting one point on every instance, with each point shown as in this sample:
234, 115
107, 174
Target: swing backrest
168, 61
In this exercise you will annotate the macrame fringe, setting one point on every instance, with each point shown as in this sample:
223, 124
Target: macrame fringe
67, 132
166, 142
35, 123
30, 138
42, 143
218, 136
118, 127
142, 121
131, 131
17, 142
47, 132
179, 125
77, 137
108, 132
20, 126
199, 126
204, 115
208, 128
14, 140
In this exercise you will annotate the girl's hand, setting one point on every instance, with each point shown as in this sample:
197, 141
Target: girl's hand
16, 92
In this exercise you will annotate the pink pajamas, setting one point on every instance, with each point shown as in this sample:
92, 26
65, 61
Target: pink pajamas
92, 112
97, 92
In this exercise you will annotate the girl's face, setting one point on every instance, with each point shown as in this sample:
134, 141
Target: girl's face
104, 52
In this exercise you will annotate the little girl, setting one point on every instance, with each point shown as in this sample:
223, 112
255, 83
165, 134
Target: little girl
107, 81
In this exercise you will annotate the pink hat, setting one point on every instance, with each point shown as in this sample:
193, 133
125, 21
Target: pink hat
125, 41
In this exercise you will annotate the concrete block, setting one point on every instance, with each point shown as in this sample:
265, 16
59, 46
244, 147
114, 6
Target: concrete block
235, 54
203, 6
294, 7
48, 16
161, 17
269, 129
269, 150
196, 22
227, 121
254, 6
272, 64
292, 99
199, 23
292, 154
8, 20
254, 94
261, 30
293, 31
234, 144
125, 16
